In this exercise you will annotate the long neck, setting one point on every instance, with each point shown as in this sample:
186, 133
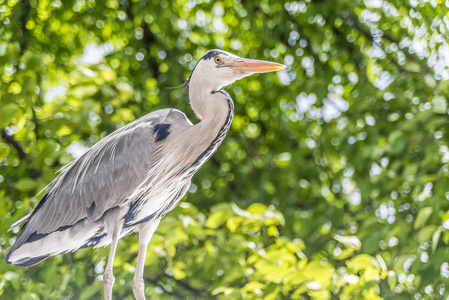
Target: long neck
211, 107
216, 111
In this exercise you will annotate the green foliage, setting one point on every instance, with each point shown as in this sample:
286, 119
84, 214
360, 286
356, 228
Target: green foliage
332, 183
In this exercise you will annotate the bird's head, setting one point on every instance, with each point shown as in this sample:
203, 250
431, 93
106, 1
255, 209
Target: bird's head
218, 68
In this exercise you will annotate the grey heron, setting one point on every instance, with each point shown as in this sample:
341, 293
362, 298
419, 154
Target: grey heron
128, 181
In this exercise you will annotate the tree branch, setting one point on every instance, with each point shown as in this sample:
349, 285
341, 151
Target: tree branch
23, 22
424, 68
10, 182
308, 47
34, 173
10, 140
155, 283
368, 35
197, 292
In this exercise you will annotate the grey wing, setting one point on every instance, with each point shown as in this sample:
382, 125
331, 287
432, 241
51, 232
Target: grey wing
103, 177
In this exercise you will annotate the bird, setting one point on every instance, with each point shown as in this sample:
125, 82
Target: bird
129, 180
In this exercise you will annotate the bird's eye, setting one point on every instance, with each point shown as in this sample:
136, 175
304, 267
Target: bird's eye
217, 60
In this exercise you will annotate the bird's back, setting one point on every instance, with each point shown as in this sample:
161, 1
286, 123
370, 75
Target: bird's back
101, 188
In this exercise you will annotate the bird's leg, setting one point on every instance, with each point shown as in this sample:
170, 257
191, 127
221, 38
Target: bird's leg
108, 276
145, 235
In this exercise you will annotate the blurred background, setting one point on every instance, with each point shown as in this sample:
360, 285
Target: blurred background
333, 180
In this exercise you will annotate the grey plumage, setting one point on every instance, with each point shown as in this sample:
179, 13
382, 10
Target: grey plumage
133, 177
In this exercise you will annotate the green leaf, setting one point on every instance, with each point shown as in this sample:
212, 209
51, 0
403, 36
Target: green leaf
7, 114
426, 233
222, 290
252, 286
257, 208
350, 241
26, 184
233, 223
89, 292
14, 278
217, 219
436, 238
423, 215
362, 262
320, 273
439, 105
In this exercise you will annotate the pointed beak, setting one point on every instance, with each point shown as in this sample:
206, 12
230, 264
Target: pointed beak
251, 66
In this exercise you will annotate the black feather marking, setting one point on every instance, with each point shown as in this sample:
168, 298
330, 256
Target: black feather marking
161, 131
27, 262
90, 211
64, 228
95, 239
132, 211
207, 151
43, 200
211, 54
146, 219
35, 237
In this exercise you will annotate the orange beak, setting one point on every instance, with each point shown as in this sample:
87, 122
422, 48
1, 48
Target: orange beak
250, 66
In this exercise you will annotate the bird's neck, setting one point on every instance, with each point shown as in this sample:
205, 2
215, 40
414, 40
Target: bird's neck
216, 110
221, 112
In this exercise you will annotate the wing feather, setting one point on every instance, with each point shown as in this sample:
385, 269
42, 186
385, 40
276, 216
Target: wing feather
101, 179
